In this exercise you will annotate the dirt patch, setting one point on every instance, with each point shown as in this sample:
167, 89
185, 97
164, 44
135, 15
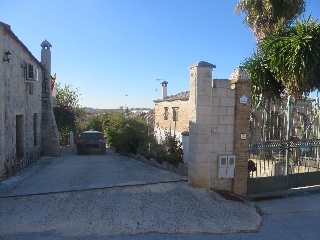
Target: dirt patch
229, 196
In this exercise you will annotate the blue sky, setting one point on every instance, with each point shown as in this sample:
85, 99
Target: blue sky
112, 48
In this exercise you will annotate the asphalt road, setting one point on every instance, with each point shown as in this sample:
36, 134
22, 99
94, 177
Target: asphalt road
116, 197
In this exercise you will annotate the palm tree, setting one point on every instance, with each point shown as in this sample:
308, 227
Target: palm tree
293, 56
269, 15
263, 80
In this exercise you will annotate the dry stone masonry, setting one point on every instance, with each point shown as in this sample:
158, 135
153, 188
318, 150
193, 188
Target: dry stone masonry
27, 126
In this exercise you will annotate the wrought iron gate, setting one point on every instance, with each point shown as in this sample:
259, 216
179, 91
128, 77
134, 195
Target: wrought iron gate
284, 145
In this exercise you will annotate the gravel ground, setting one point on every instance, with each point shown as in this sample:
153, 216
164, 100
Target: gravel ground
39, 202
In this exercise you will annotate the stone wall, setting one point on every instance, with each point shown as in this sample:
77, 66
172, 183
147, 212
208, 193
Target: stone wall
219, 129
242, 85
200, 113
27, 125
216, 113
222, 129
20, 106
3, 46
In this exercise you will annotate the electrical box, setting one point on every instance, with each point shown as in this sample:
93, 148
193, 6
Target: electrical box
222, 166
231, 166
226, 166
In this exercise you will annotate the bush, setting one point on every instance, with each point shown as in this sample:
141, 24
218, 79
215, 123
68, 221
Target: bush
125, 134
112, 123
174, 150
170, 150
131, 136
95, 124
68, 113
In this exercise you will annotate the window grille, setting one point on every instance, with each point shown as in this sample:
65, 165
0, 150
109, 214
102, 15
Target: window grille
31, 73
166, 113
175, 113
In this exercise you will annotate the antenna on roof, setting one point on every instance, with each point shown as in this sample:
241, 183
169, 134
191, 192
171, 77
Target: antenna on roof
158, 80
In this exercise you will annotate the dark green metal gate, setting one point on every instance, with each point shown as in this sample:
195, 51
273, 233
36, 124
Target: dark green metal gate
284, 145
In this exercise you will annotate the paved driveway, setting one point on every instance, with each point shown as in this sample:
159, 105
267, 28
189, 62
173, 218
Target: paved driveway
93, 196
72, 172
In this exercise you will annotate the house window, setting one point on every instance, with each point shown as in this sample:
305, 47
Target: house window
175, 113
19, 136
166, 113
31, 73
35, 132
31, 88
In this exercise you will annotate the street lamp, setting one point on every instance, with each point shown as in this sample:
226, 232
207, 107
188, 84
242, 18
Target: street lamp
7, 56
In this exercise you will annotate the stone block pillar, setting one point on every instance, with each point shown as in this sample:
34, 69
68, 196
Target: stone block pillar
241, 82
200, 102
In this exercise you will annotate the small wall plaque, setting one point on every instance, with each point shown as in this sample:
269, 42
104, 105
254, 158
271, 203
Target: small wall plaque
243, 99
243, 136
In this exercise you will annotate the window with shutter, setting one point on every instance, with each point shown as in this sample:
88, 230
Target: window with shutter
175, 112
31, 73
166, 113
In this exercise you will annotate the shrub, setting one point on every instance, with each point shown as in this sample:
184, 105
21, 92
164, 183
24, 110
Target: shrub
174, 150
125, 134
112, 123
132, 135
170, 150
94, 123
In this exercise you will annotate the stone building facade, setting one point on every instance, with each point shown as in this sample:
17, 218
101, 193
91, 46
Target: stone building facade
172, 115
216, 114
27, 125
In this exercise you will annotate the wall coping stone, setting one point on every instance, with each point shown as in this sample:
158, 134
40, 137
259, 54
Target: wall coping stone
203, 64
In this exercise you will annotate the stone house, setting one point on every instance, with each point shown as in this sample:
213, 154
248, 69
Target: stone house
171, 113
27, 126
171, 116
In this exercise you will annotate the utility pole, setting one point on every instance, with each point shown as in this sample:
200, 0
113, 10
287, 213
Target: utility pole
125, 101
125, 104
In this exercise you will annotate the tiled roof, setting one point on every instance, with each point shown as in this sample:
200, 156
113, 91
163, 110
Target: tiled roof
183, 96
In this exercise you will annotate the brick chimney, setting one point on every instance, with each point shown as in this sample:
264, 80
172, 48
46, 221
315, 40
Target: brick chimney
164, 89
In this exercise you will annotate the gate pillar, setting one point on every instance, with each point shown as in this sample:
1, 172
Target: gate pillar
200, 124
241, 82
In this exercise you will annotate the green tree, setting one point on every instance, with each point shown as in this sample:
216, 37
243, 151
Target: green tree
287, 59
287, 55
112, 122
293, 56
94, 123
264, 82
68, 112
269, 15
132, 135
126, 134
